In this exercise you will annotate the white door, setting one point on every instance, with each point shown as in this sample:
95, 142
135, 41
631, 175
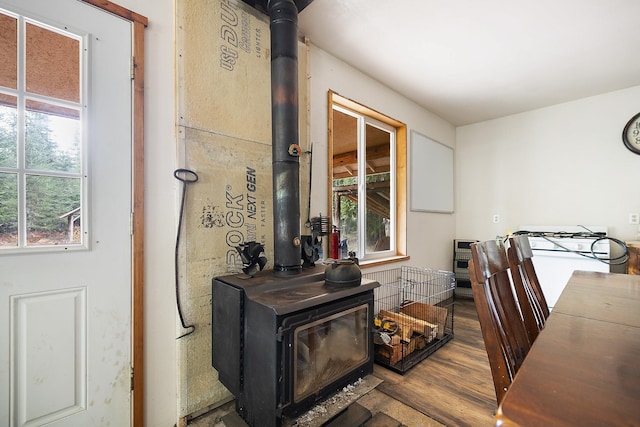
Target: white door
65, 308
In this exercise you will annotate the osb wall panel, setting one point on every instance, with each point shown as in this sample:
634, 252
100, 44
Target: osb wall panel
224, 113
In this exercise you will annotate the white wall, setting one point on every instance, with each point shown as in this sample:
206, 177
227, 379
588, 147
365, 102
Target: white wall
561, 165
430, 235
161, 202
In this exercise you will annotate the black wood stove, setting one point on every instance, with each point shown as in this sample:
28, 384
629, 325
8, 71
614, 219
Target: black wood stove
282, 345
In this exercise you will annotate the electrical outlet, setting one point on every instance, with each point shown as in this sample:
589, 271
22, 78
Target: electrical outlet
496, 218
634, 218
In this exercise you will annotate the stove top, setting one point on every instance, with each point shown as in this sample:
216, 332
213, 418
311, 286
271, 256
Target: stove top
579, 239
286, 295
564, 231
566, 235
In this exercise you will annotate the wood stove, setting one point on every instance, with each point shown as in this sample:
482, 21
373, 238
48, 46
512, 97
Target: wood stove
282, 344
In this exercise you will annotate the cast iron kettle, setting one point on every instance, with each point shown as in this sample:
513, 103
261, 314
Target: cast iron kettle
343, 273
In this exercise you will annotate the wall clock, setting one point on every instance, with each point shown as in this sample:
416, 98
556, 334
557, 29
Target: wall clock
631, 134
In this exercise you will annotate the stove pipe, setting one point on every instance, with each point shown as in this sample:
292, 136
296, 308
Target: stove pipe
283, 16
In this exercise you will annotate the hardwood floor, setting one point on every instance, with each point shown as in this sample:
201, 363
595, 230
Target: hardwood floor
452, 386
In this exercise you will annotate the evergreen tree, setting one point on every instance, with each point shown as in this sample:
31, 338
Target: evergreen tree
47, 197
8, 181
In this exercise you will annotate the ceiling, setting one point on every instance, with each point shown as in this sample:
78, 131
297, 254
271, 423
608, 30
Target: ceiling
469, 61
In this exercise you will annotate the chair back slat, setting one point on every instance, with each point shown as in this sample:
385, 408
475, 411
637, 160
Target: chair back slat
503, 330
533, 304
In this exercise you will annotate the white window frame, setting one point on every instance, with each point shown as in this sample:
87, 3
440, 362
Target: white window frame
362, 122
20, 170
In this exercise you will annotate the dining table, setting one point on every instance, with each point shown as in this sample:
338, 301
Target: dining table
583, 369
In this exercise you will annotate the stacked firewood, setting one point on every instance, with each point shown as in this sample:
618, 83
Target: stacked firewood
413, 327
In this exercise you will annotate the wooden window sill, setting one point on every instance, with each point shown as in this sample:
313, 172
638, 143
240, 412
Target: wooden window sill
382, 261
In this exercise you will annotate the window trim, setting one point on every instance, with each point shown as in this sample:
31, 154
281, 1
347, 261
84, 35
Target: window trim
400, 165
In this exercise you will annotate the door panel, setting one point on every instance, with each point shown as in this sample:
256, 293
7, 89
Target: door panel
48, 342
65, 339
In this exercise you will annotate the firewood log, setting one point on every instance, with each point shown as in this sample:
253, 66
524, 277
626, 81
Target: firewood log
411, 324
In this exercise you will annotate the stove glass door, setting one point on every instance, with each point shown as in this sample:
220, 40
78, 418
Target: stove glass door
328, 349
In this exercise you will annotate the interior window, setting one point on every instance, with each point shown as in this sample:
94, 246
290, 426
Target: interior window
367, 182
41, 168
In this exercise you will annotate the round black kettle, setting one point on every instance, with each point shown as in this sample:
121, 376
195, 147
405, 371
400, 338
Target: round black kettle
343, 273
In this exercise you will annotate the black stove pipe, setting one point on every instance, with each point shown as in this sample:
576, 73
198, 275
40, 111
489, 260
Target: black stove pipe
283, 16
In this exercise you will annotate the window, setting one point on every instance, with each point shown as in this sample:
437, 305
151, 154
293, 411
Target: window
41, 155
367, 158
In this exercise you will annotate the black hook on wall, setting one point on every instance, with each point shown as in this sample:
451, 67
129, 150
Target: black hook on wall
186, 176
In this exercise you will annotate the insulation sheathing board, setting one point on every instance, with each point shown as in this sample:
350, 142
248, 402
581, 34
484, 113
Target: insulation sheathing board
229, 204
224, 135
224, 69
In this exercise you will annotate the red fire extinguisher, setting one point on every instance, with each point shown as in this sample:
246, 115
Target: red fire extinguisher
335, 243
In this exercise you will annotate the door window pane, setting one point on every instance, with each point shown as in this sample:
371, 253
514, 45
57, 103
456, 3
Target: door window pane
52, 138
52, 64
8, 51
8, 210
8, 131
53, 210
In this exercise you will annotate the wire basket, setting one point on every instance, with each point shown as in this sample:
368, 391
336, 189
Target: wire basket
413, 312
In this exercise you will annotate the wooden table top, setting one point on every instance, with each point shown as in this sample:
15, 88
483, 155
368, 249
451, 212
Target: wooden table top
584, 367
602, 296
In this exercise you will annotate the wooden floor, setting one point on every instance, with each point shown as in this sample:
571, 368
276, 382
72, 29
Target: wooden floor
452, 386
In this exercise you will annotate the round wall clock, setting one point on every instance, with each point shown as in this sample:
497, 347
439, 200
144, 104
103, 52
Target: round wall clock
631, 134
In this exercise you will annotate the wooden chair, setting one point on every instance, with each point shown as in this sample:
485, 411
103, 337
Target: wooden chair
533, 304
503, 331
